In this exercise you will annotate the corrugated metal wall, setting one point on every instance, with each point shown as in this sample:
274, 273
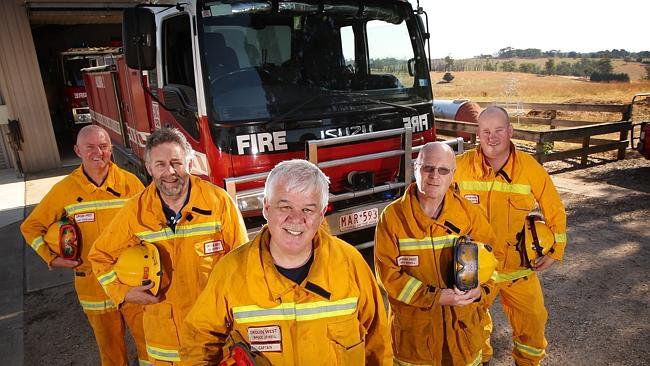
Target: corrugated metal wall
22, 88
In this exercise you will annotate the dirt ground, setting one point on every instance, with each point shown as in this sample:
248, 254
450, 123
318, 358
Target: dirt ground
598, 298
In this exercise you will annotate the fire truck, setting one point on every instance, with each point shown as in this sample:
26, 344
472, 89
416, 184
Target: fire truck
72, 61
252, 83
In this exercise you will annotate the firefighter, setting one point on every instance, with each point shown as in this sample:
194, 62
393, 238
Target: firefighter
192, 223
432, 321
295, 295
507, 184
87, 200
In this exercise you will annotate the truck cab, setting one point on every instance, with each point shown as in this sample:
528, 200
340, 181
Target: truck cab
344, 84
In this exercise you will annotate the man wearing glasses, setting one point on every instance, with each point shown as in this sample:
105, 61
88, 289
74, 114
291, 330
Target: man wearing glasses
432, 321
507, 184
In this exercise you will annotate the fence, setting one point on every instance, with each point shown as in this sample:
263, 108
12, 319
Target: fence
569, 131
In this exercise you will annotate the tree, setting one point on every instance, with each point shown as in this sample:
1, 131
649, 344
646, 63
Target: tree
448, 77
604, 66
549, 66
449, 63
509, 66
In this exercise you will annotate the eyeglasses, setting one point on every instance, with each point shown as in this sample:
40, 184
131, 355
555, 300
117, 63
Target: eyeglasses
430, 169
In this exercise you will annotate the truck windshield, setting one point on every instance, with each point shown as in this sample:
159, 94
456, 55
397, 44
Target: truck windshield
259, 63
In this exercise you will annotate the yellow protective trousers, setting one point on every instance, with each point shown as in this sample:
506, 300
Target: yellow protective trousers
109, 330
523, 304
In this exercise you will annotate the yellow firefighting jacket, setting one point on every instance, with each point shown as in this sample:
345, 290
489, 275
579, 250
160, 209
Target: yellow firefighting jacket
209, 228
334, 317
414, 262
92, 208
507, 196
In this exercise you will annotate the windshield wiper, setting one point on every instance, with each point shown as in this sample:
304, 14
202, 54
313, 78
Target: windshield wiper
333, 94
376, 101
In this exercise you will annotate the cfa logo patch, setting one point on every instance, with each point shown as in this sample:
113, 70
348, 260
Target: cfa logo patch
473, 198
84, 217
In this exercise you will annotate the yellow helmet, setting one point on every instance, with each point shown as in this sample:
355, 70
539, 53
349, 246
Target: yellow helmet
140, 263
63, 239
474, 263
538, 239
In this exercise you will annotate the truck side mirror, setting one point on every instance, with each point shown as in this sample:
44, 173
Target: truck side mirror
139, 35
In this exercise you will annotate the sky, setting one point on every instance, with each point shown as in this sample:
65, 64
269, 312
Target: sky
463, 29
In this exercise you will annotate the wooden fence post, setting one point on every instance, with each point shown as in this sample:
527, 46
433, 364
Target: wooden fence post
621, 150
585, 150
539, 151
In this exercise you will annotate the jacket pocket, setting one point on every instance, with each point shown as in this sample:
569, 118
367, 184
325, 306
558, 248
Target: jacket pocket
412, 334
468, 325
346, 341
160, 333
518, 207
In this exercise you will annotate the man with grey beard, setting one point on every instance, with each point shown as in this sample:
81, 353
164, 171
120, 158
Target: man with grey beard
191, 222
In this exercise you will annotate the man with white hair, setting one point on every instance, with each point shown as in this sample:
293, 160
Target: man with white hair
294, 294
432, 321
192, 223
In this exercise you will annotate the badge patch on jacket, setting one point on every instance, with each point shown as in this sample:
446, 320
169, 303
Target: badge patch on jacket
212, 247
473, 198
265, 339
84, 217
408, 260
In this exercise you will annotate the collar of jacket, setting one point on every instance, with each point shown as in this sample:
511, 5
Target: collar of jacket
88, 186
481, 164
453, 215
150, 211
270, 280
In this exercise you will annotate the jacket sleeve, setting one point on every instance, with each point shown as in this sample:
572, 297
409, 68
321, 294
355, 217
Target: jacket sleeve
399, 285
206, 327
372, 315
482, 232
34, 227
553, 210
107, 248
234, 227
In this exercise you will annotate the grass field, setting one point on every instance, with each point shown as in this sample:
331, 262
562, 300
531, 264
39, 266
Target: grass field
491, 86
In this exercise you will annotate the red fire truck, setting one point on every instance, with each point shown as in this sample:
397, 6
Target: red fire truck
252, 83
72, 61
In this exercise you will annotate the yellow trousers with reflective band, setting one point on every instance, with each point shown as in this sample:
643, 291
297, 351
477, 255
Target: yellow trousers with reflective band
109, 333
523, 304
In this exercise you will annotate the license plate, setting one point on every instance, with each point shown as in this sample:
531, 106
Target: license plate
358, 219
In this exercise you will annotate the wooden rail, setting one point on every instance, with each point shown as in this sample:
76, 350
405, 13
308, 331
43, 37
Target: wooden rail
569, 134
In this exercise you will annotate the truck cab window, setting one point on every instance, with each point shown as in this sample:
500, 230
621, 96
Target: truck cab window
178, 66
259, 64
177, 51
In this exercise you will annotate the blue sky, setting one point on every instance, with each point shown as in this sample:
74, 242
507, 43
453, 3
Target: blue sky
468, 28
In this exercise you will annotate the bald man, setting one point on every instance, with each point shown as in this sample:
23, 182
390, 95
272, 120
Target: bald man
507, 184
89, 198
432, 322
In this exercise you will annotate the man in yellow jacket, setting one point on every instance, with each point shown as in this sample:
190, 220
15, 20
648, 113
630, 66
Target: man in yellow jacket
192, 223
507, 184
432, 322
91, 196
295, 294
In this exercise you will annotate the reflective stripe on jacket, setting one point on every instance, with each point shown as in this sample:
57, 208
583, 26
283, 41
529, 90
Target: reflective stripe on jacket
209, 228
507, 196
414, 262
92, 208
335, 317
